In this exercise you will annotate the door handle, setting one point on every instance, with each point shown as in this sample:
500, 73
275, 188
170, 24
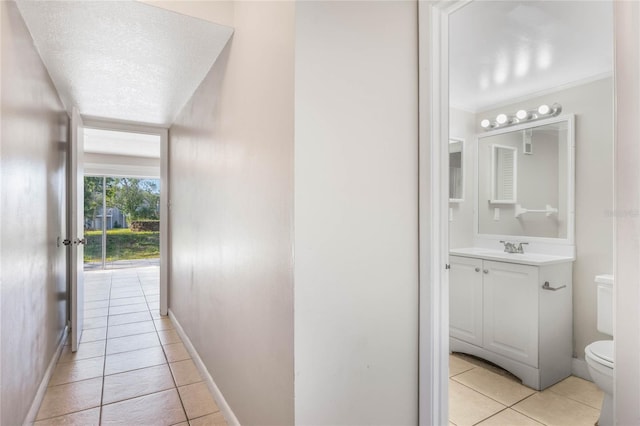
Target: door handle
66, 241
547, 286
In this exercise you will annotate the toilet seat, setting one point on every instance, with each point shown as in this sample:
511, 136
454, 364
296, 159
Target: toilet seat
601, 352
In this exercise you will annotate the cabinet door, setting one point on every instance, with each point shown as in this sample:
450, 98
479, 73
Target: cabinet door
465, 299
511, 310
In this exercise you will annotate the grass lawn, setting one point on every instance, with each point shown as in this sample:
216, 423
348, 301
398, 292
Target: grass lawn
122, 244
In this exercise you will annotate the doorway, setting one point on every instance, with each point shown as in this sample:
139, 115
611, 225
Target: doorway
435, 212
126, 208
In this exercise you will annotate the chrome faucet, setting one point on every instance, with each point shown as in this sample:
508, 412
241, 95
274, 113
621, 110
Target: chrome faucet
510, 247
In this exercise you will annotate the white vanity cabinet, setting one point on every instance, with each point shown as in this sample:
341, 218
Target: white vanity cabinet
465, 299
510, 306
503, 312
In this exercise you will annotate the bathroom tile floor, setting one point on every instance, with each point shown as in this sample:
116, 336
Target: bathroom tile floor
131, 367
482, 394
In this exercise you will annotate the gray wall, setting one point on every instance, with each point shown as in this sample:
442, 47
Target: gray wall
32, 173
356, 205
593, 106
231, 185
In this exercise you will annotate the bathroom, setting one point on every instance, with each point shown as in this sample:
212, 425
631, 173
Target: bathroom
547, 77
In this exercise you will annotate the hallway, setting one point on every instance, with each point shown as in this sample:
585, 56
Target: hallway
131, 366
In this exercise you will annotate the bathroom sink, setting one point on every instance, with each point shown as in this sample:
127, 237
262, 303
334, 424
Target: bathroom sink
499, 255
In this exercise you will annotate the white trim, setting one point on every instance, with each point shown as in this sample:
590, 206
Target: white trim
122, 125
580, 369
75, 189
42, 389
433, 381
225, 409
165, 229
165, 237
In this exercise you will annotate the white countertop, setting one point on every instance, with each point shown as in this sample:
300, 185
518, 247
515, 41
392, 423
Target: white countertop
536, 259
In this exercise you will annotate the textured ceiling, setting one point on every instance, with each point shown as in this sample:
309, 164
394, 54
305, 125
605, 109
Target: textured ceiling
123, 60
505, 50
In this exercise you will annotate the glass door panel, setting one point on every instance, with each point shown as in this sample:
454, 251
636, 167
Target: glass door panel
122, 222
93, 221
133, 223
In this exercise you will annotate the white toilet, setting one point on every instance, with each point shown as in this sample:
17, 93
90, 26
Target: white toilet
599, 355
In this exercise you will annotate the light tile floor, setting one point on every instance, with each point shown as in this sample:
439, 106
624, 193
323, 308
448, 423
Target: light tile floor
482, 394
131, 367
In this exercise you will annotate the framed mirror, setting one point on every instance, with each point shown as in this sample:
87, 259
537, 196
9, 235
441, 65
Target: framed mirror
527, 193
456, 170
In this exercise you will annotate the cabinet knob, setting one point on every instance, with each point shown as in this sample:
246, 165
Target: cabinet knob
477, 269
486, 271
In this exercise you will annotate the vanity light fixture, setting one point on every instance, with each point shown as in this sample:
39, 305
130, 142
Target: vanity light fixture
544, 109
552, 110
523, 115
502, 119
486, 124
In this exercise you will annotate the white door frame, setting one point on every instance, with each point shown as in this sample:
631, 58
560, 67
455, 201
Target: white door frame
433, 109
433, 18
626, 212
76, 229
163, 132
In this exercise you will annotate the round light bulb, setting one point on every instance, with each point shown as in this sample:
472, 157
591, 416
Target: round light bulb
522, 114
544, 109
501, 118
485, 124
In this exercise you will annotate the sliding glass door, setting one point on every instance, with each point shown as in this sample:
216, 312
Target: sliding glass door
122, 218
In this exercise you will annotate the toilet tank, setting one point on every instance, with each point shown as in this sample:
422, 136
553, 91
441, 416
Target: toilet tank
605, 303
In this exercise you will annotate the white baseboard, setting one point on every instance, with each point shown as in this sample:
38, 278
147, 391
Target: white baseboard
580, 369
228, 414
42, 389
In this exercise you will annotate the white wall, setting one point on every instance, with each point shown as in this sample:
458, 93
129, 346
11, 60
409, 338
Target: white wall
627, 213
356, 205
231, 186
592, 104
33, 292
121, 165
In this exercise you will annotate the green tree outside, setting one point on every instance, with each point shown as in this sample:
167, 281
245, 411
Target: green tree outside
93, 195
137, 199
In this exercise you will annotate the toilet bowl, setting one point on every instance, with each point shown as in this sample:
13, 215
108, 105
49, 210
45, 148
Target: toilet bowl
599, 357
